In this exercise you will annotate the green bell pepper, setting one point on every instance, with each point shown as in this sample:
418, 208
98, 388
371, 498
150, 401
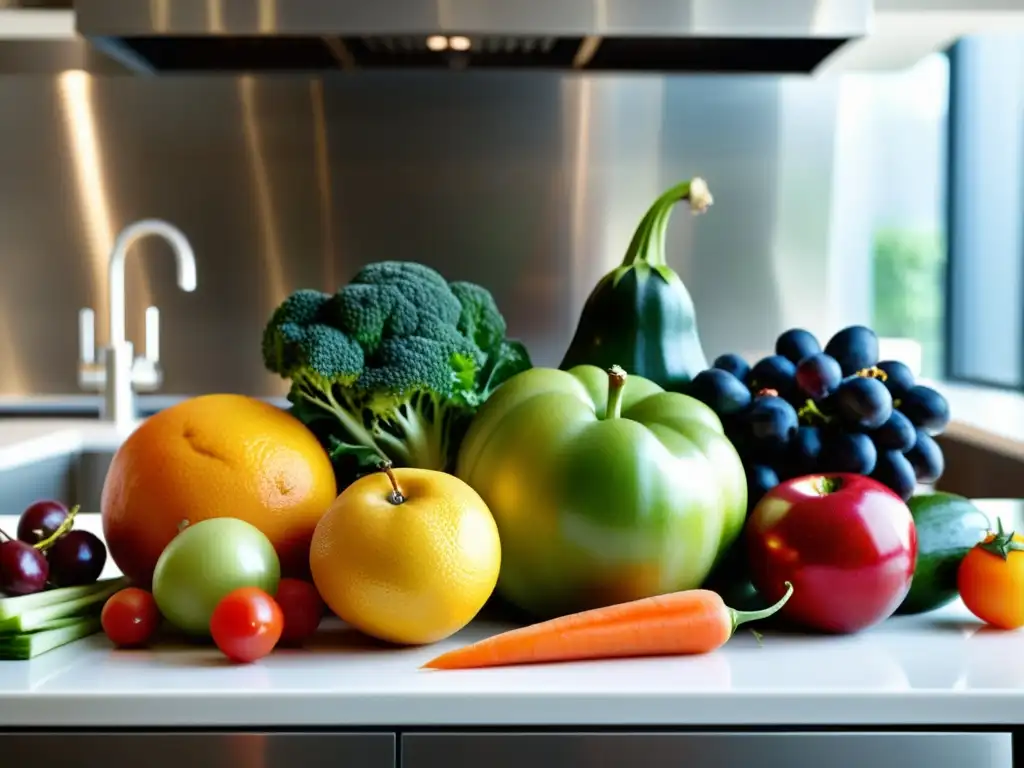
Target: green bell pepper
605, 488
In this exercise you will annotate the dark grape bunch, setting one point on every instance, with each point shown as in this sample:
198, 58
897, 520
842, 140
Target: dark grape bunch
807, 410
49, 552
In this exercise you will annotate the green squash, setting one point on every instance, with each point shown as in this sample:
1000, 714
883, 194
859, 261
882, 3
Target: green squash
640, 315
605, 488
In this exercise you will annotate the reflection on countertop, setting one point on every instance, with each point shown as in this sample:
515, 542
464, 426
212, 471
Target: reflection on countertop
943, 668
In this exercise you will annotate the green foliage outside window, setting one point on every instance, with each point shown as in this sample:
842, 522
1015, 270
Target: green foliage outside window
909, 290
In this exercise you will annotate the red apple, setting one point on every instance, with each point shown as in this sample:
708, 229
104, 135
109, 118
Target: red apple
846, 543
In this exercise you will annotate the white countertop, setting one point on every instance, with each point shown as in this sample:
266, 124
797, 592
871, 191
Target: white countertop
939, 669
25, 441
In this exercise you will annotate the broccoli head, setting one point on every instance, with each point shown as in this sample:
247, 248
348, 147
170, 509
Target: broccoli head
393, 365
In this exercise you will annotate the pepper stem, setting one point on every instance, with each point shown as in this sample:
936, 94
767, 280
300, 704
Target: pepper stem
396, 496
742, 617
648, 243
616, 387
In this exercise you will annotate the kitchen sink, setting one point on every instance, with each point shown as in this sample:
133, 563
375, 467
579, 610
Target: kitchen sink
74, 479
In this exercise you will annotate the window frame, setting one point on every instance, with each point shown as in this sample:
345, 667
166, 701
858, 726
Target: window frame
955, 340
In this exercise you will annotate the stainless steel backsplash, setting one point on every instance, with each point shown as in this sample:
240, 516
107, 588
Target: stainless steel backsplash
530, 184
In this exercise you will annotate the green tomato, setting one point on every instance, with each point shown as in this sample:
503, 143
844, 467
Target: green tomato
605, 488
205, 562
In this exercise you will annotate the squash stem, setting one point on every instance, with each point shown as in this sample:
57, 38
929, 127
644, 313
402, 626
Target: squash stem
648, 243
616, 386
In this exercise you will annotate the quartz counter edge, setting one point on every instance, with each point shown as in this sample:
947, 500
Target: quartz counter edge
305, 710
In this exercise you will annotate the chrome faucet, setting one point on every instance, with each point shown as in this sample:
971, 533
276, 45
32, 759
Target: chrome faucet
118, 373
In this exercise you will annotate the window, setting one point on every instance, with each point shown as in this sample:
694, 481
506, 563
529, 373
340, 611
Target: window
985, 309
891, 152
908, 224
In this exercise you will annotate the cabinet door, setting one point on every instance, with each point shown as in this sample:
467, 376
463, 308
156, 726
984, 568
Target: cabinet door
198, 750
707, 750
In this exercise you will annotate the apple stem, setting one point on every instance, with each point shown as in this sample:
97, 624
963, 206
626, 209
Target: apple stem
6, 536
63, 528
742, 617
396, 496
823, 486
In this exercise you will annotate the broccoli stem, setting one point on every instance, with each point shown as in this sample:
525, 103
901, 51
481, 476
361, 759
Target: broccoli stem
423, 441
418, 441
355, 428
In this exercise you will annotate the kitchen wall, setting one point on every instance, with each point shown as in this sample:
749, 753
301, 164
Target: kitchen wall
529, 183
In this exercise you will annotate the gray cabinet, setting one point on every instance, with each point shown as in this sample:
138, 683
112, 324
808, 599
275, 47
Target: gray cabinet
198, 750
706, 750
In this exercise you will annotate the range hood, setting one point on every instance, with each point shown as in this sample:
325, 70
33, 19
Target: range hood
224, 36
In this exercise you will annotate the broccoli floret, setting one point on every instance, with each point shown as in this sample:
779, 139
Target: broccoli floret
393, 365
480, 318
284, 336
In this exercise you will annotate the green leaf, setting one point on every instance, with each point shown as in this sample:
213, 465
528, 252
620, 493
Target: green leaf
511, 357
364, 456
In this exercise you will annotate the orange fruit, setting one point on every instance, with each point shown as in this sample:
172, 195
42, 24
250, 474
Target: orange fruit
410, 570
215, 456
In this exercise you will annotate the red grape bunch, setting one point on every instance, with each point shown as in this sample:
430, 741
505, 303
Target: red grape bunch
808, 410
48, 551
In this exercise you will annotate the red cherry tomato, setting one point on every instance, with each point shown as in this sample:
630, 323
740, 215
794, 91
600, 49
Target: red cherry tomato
302, 609
130, 617
246, 624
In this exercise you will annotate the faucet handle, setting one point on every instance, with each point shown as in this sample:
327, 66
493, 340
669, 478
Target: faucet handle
147, 375
152, 352
91, 375
86, 336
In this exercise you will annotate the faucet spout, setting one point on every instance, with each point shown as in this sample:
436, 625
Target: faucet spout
186, 261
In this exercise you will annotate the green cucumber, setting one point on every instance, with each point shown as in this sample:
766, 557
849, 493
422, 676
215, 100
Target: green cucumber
948, 526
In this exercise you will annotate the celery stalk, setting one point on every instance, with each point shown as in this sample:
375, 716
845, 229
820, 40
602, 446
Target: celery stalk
52, 624
11, 607
28, 646
37, 617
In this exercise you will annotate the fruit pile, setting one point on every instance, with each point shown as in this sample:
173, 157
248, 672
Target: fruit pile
806, 410
49, 552
600, 495
218, 579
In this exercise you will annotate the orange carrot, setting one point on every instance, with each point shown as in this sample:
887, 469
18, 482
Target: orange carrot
690, 622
